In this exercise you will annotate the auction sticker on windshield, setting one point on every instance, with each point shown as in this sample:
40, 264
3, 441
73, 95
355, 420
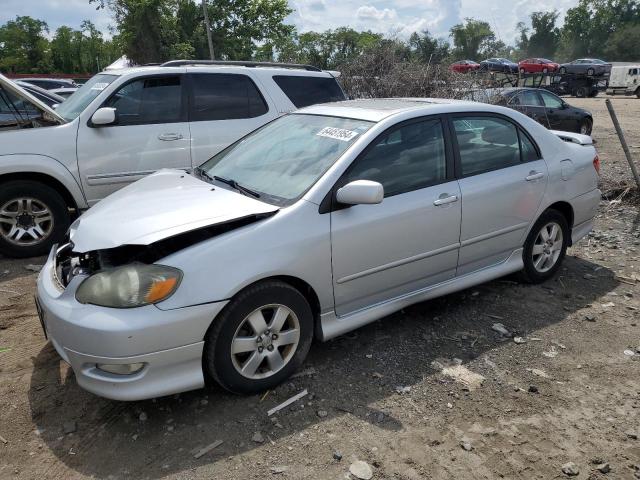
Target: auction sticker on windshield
100, 86
338, 133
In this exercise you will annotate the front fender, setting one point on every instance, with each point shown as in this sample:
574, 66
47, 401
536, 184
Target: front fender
14, 165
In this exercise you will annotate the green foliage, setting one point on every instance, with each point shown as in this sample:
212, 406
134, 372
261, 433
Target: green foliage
589, 26
545, 35
472, 39
23, 46
618, 45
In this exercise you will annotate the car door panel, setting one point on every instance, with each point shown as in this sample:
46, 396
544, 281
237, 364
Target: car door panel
404, 244
151, 133
411, 239
499, 204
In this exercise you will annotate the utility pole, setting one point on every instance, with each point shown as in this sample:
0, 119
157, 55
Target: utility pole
207, 25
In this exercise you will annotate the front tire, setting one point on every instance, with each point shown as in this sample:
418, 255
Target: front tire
545, 247
591, 72
562, 70
581, 92
586, 127
33, 216
261, 337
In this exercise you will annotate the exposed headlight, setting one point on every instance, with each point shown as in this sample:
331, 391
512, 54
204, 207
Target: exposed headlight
129, 286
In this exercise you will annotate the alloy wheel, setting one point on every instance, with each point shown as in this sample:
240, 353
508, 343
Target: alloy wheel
547, 247
25, 221
265, 341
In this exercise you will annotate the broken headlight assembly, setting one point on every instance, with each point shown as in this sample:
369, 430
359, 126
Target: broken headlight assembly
129, 286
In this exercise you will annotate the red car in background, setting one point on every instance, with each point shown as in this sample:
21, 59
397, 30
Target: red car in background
537, 65
464, 66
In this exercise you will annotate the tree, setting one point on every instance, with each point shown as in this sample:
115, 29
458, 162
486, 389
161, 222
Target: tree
23, 46
427, 49
545, 36
589, 26
617, 46
471, 38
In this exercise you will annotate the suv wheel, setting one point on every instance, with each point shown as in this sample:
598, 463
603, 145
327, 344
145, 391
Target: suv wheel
545, 247
33, 217
259, 339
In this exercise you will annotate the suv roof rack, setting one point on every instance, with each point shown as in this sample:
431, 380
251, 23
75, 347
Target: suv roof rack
238, 63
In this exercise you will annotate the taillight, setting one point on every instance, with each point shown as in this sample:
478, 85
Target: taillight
596, 163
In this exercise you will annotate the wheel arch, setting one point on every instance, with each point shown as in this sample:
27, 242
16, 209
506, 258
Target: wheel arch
566, 210
45, 179
304, 288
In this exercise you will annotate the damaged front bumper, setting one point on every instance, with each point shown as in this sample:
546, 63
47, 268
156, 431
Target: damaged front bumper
168, 343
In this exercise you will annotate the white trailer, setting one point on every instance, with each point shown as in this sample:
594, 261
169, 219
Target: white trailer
625, 80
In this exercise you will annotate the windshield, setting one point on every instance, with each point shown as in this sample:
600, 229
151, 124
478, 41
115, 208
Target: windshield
283, 159
76, 103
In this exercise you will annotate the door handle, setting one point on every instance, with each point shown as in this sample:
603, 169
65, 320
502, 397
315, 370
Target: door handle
169, 137
444, 199
533, 175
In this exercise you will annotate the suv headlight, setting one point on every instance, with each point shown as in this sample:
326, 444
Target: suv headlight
129, 286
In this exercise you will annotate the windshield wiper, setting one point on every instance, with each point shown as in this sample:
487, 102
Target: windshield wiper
233, 184
203, 173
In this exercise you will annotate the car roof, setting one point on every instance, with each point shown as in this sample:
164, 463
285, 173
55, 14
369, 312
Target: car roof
377, 109
218, 68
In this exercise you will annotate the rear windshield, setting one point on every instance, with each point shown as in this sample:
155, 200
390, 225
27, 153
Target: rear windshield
305, 91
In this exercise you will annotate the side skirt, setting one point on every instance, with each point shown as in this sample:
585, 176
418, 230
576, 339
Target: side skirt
333, 326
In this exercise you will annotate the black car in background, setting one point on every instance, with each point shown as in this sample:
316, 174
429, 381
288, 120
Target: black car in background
586, 66
503, 65
45, 96
546, 108
541, 105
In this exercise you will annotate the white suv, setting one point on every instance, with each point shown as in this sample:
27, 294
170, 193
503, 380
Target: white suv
124, 124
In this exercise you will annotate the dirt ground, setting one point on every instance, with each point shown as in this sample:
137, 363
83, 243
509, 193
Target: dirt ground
432, 392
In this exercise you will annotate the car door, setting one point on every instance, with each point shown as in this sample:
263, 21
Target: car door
223, 107
411, 239
530, 103
150, 133
558, 117
502, 181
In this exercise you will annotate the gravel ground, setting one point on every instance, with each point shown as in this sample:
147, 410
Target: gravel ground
432, 392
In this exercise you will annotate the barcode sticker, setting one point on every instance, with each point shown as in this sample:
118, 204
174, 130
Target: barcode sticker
338, 133
100, 86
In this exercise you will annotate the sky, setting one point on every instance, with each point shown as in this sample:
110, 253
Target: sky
392, 17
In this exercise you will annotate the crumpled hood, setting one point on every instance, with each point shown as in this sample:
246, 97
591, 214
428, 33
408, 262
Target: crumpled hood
162, 205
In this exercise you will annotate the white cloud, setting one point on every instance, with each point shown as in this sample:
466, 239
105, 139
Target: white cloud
396, 17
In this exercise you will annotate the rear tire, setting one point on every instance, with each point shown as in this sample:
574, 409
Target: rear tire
33, 216
638, 92
260, 338
591, 72
562, 70
545, 247
581, 92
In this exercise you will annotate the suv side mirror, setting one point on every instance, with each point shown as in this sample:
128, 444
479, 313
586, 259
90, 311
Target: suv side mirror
360, 192
104, 116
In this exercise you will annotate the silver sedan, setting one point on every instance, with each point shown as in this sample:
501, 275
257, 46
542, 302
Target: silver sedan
316, 224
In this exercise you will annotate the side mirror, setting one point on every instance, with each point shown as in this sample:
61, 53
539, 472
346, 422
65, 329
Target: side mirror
104, 116
360, 192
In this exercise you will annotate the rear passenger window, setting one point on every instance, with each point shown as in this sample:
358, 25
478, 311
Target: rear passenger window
224, 96
305, 91
405, 159
529, 151
148, 100
486, 143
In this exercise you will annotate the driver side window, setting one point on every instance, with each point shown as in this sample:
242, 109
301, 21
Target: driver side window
550, 101
148, 101
405, 159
